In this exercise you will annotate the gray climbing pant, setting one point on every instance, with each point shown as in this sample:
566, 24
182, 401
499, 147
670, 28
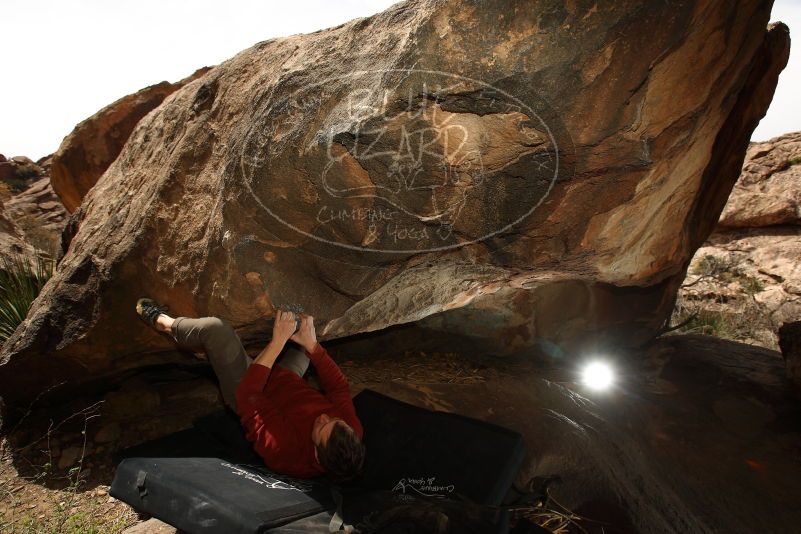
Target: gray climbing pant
226, 353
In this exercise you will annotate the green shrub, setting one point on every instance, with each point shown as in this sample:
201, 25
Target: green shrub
16, 184
26, 171
725, 270
742, 319
713, 266
711, 323
21, 280
752, 285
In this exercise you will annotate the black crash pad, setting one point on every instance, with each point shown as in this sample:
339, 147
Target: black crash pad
207, 479
186, 480
417, 451
202, 495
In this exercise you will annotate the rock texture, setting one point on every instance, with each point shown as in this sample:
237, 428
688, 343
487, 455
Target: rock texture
151, 526
542, 171
86, 153
748, 272
768, 192
40, 215
12, 240
17, 174
32, 217
31, 221
701, 436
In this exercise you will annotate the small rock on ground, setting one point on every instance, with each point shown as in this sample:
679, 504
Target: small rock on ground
151, 526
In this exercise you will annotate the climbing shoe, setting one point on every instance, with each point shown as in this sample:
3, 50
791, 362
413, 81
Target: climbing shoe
148, 309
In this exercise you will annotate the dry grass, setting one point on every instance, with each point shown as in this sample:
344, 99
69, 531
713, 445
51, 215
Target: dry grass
718, 299
750, 323
45, 500
553, 517
421, 368
38, 234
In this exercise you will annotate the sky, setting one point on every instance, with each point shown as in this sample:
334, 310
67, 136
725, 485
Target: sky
63, 60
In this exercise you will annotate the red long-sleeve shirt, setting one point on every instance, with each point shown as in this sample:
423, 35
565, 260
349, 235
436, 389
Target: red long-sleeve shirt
278, 409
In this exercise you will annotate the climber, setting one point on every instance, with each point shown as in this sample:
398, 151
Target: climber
297, 430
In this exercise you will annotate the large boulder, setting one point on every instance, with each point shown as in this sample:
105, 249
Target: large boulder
86, 153
536, 173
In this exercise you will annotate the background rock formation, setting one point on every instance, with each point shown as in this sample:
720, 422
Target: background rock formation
768, 192
31, 215
18, 173
89, 149
745, 281
40, 215
11, 237
550, 187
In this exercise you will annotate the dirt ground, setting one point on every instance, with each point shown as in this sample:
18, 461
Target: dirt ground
41, 498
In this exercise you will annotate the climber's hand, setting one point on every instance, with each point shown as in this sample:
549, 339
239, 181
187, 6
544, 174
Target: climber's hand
284, 326
306, 336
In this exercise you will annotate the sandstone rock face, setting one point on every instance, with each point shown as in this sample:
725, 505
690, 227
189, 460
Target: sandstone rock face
40, 215
766, 258
17, 174
7, 171
542, 172
748, 275
89, 149
768, 192
12, 240
31, 222
32, 217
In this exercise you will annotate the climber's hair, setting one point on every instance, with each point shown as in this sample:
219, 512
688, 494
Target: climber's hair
343, 455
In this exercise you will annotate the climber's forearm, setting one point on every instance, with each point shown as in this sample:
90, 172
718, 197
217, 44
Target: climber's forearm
269, 354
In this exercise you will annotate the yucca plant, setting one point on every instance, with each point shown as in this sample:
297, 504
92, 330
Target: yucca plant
21, 280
